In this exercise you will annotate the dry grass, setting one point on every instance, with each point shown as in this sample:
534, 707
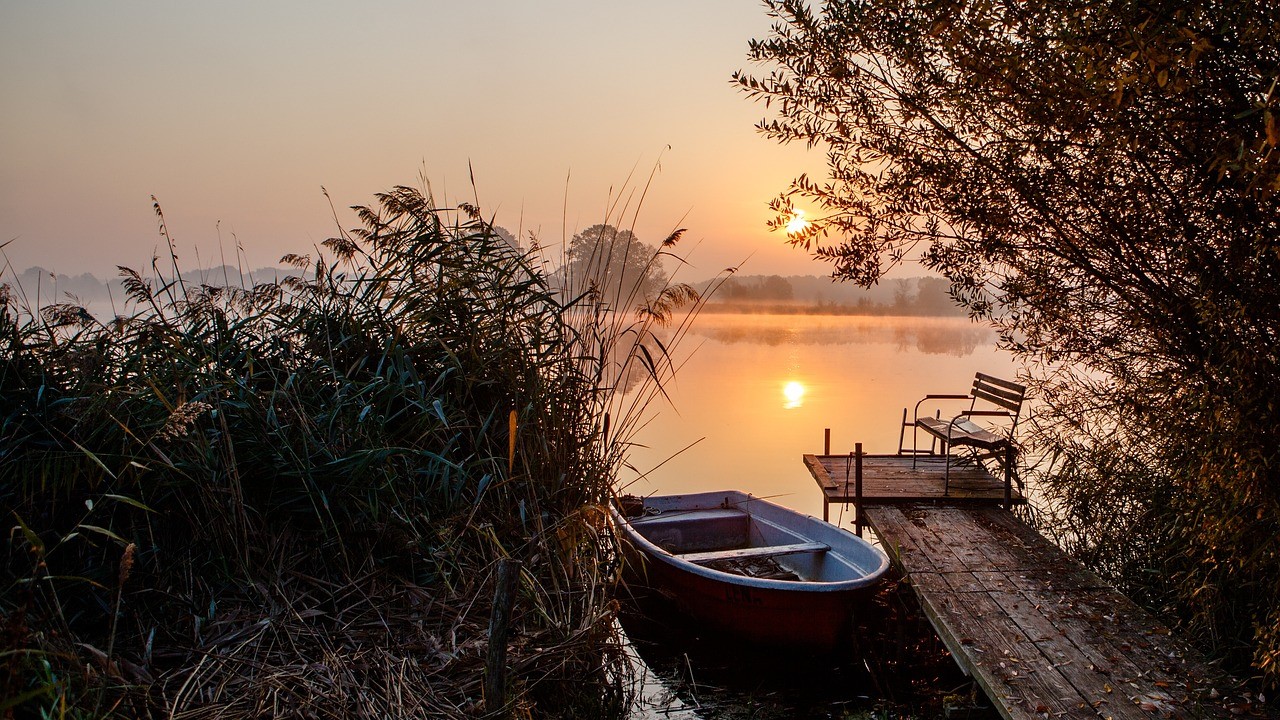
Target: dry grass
288, 500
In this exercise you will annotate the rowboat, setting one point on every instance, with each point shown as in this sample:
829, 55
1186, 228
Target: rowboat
748, 568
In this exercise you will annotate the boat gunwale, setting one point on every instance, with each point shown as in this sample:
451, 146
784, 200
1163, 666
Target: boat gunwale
650, 549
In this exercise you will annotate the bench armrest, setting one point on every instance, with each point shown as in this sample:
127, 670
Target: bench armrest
915, 414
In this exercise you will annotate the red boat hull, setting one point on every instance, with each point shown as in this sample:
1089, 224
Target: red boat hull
816, 620
674, 542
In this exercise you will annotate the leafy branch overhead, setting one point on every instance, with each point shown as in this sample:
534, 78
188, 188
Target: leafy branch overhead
1099, 180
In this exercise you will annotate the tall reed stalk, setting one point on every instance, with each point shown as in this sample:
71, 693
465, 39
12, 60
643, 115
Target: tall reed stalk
313, 480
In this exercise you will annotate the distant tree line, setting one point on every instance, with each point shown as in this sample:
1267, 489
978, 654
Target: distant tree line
808, 293
617, 273
38, 286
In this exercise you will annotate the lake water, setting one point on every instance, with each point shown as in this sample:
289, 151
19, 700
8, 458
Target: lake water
757, 391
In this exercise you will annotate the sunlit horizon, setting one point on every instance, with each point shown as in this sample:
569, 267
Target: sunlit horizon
235, 115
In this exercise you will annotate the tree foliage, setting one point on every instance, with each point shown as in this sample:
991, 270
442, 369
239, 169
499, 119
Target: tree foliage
765, 287
1099, 180
616, 264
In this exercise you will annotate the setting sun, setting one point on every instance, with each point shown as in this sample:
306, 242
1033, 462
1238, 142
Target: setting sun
796, 225
794, 393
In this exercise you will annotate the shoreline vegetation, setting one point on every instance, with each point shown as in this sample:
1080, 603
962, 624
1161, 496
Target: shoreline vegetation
293, 497
747, 294
1103, 189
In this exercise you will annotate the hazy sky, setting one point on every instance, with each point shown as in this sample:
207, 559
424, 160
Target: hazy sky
234, 114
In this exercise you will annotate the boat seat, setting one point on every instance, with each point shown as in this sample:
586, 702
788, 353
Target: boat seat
688, 516
678, 531
754, 552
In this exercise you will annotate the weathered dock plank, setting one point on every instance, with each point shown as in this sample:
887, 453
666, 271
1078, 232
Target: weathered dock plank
1042, 636
903, 479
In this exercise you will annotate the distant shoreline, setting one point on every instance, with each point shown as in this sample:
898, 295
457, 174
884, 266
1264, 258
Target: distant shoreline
740, 295
796, 308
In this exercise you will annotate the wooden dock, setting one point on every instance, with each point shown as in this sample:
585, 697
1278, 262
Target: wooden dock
1041, 635
902, 479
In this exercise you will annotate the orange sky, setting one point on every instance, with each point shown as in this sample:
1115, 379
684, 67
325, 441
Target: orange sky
234, 114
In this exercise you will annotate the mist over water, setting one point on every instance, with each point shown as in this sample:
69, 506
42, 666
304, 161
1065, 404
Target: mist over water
757, 391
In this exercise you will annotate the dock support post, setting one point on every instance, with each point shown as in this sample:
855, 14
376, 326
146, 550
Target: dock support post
1009, 456
848, 468
826, 441
826, 508
857, 488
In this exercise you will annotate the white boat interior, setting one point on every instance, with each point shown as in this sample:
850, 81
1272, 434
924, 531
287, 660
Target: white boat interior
707, 528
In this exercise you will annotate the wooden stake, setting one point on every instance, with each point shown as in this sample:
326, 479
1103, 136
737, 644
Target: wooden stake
826, 441
495, 671
848, 462
1010, 455
857, 489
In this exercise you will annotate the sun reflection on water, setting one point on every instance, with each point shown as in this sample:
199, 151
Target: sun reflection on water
793, 391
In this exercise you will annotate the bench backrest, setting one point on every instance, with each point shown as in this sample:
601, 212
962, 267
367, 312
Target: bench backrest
998, 392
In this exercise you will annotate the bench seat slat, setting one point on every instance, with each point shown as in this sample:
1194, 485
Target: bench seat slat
960, 436
754, 552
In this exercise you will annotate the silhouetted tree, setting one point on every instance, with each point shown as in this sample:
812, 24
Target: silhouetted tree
1100, 181
775, 287
623, 269
506, 236
932, 297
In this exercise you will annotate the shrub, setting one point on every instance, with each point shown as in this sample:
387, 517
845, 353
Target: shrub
288, 499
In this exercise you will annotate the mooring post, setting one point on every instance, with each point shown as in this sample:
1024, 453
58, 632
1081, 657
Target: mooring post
495, 671
826, 441
857, 488
848, 469
1009, 456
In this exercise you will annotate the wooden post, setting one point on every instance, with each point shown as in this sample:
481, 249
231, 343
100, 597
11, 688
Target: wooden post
826, 441
495, 671
1009, 456
857, 492
848, 466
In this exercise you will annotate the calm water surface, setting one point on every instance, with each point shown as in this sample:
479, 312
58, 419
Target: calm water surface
758, 390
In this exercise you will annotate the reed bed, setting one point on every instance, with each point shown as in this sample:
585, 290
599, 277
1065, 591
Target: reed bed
290, 499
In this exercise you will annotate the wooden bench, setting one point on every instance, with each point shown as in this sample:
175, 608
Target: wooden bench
999, 399
754, 552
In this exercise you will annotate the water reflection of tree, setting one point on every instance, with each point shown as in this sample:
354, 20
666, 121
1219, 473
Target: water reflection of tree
955, 339
620, 371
